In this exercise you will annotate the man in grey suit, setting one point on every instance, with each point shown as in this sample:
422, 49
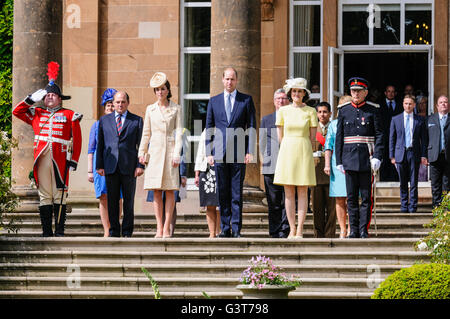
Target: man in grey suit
439, 150
269, 146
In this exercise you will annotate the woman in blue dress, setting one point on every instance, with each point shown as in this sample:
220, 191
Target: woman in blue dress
93, 177
337, 178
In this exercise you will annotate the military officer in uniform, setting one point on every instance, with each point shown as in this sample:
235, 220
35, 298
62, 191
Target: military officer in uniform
359, 149
57, 147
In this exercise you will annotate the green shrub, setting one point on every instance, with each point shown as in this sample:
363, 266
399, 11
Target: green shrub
8, 200
437, 240
421, 281
6, 42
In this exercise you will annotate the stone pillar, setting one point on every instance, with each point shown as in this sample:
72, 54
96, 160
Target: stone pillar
37, 41
236, 42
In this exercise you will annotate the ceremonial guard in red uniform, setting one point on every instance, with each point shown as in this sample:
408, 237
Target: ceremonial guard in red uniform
57, 148
359, 150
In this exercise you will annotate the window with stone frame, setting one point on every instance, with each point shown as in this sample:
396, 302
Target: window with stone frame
195, 37
305, 52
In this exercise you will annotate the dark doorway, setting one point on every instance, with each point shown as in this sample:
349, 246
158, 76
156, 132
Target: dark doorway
382, 69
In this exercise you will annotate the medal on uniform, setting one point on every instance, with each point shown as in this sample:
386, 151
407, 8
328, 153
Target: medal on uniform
362, 121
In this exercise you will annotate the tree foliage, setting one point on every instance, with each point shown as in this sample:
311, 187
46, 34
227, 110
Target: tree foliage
6, 49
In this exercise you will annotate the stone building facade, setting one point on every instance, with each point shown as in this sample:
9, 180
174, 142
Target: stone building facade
122, 43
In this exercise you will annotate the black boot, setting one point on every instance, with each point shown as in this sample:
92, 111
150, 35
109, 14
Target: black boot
59, 227
46, 220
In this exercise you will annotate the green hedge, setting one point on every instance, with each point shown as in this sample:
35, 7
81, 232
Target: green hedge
6, 43
422, 281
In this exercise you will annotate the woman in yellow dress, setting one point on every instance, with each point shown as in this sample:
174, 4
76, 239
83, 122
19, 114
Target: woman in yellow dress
296, 127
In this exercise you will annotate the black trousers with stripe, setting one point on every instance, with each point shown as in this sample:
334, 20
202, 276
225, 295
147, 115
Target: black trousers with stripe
359, 184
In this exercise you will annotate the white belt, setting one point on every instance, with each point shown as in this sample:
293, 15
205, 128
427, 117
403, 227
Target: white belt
52, 139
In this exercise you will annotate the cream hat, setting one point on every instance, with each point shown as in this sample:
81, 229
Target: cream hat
297, 83
158, 79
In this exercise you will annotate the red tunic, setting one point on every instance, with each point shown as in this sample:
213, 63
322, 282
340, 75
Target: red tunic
53, 128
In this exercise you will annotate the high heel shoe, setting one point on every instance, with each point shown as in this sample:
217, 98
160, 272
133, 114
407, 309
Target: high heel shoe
342, 235
298, 236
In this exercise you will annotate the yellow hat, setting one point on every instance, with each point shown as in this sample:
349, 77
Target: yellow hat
158, 79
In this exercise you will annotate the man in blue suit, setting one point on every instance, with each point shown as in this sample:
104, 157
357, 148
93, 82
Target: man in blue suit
269, 147
231, 132
407, 149
119, 135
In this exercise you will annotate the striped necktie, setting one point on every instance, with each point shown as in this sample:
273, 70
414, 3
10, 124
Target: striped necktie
119, 123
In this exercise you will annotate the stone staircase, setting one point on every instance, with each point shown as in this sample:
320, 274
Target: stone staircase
85, 265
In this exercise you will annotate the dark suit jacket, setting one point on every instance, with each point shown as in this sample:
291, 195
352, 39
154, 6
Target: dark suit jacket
242, 117
356, 157
397, 138
386, 112
119, 152
386, 115
434, 137
268, 143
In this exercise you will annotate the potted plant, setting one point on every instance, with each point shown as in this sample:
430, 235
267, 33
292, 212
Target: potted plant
263, 280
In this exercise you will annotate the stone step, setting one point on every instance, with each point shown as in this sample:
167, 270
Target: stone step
175, 284
192, 226
93, 215
82, 294
205, 235
183, 245
126, 270
384, 257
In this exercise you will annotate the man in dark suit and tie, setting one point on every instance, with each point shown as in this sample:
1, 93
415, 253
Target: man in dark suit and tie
390, 106
407, 149
119, 135
269, 147
439, 150
231, 131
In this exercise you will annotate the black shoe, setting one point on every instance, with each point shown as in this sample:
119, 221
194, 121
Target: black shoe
114, 235
236, 235
45, 213
226, 234
353, 235
364, 235
59, 227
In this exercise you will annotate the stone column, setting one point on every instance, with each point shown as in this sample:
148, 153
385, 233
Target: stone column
236, 42
37, 41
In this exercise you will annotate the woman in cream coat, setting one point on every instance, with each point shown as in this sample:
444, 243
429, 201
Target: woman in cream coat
160, 150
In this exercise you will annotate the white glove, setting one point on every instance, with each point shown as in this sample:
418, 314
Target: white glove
38, 95
375, 164
317, 154
341, 168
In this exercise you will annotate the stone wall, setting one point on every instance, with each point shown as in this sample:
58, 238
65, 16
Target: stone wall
116, 44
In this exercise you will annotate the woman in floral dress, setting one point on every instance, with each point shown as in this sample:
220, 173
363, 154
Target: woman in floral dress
205, 179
